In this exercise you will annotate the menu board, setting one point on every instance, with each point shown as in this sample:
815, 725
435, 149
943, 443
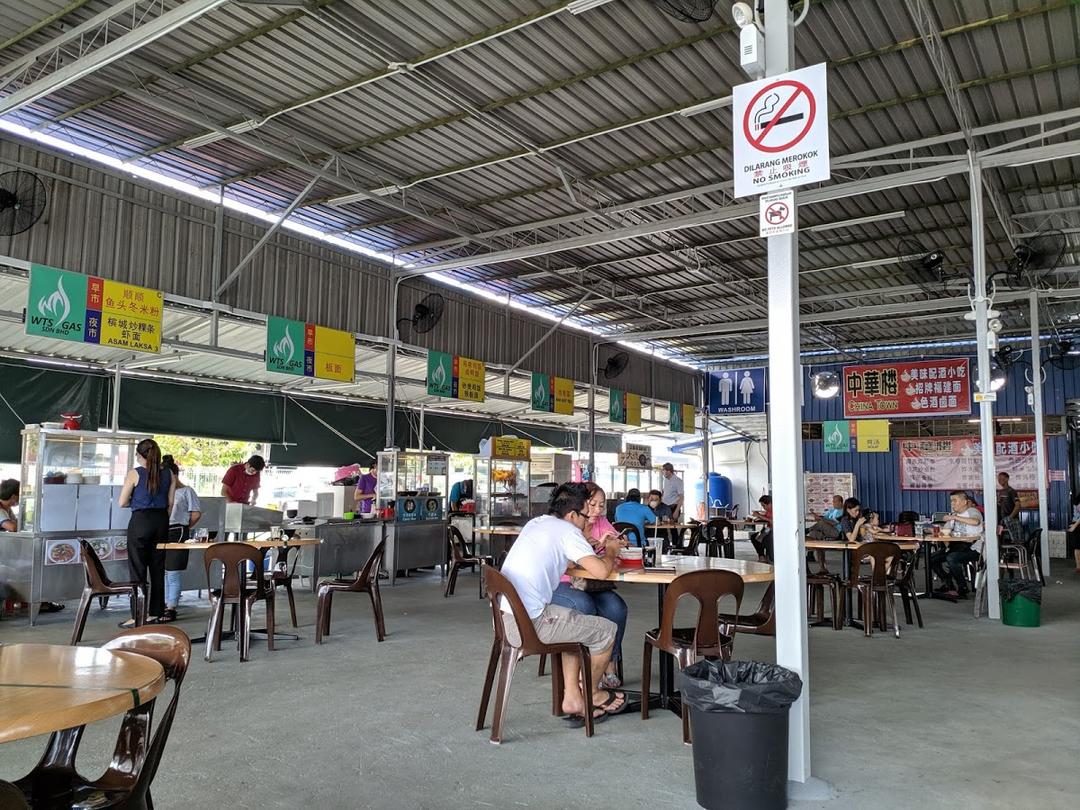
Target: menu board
820, 488
908, 388
67, 551
636, 456
510, 447
455, 377
956, 463
89, 309
308, 350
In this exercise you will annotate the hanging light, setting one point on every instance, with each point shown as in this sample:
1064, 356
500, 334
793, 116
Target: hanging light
825, 384
997, 377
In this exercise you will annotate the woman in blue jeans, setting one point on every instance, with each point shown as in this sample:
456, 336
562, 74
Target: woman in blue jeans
600, 599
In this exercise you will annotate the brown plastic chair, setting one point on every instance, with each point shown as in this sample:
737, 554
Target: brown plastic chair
135, 760
460, 556
817, 582
240, 590
877, 590
367, 581
281, 574
11, 798
687, 644
99, 584
632, 532
761, 622
504, 657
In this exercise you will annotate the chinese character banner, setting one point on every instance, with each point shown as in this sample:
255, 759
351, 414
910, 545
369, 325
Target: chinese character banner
88, 309
449, 375
908, 388
948, 464
307, 350
552, 394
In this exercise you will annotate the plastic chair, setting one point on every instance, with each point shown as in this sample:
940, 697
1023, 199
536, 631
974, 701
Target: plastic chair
240, 592
719, 533
761, 622
687, 644
126, 782
460, 556
1034, 550
877, 590
281, 575
633, 534
11, 798
817, 582
504, 657
99, 584
366, 581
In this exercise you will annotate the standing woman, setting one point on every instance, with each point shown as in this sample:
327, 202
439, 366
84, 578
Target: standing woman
148, 490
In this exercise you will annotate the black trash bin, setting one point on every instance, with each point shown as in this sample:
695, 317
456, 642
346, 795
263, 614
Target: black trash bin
739, 725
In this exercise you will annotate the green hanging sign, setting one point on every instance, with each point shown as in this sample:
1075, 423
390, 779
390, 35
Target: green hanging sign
836, 436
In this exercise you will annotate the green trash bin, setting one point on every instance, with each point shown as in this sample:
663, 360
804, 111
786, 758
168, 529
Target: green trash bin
1021, 602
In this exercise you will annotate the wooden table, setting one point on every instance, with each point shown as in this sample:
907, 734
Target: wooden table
905, 544
749, 570
262, 545
50, 687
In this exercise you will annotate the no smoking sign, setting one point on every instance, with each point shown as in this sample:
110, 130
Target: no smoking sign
777, 213
781, 132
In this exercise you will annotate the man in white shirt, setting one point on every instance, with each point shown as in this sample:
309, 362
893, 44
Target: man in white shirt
673, 491
541, 554
950, 563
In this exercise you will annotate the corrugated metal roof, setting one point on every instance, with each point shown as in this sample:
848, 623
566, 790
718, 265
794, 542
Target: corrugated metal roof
511, 99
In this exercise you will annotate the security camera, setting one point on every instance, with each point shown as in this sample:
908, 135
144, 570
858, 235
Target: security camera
742, 14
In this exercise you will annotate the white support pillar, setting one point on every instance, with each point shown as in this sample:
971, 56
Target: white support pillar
117, 379
986, 407
1040, 433
785, 434
420, 437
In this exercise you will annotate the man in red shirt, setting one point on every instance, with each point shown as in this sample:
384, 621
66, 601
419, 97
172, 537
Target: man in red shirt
241, 481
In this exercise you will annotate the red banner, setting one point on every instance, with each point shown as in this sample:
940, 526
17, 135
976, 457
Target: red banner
908, 388
948, 464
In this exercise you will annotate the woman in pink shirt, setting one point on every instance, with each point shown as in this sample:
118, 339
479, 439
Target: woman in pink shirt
600, 598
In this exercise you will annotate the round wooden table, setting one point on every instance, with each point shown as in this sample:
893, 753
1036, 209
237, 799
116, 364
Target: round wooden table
50, 687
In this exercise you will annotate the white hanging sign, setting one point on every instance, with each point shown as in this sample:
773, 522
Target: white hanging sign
776, 214
781, 131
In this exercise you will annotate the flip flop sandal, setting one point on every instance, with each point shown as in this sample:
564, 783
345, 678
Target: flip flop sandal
168, 616
610, 681
612, 697
126, 625
578, 721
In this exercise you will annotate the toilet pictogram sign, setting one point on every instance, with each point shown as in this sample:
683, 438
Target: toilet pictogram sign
781, 132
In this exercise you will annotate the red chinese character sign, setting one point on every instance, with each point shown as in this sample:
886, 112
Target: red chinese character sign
780, 131
908, 388
948, 464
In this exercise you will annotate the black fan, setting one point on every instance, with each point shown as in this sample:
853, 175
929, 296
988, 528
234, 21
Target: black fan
1034, 258
687, 10
22, 201
425, 314
616, 365
925, 269
1059, 352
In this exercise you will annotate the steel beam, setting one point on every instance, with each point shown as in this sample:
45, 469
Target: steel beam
109, 52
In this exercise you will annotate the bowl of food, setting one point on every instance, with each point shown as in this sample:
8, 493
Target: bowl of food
63, 551
103, 548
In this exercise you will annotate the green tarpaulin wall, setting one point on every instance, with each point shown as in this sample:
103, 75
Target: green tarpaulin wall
31, 394
155, 406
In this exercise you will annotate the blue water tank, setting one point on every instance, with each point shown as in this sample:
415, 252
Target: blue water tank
719, 490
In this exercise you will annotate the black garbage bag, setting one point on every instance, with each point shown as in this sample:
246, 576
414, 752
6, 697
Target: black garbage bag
1009, 589
750, 687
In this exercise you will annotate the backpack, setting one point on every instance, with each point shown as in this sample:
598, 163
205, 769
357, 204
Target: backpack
824, 529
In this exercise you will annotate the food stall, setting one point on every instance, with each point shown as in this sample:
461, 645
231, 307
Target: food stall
410, 498
501, 487
547, 471
634, 470
70, 482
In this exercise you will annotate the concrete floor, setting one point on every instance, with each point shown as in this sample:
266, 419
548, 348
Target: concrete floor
961, 714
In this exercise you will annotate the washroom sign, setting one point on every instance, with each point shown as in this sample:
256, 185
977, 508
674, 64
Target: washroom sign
781, 132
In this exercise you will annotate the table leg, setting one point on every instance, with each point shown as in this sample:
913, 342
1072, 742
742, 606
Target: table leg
928, 573
849, 604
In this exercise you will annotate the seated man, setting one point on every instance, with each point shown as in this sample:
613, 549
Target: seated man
541, 554
763, 540
632, 510
950, 562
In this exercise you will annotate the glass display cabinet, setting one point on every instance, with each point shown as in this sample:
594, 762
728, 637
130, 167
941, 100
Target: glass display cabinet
501, 480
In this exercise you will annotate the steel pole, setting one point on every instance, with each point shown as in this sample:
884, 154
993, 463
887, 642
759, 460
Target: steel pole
986, 406
785, 434
1040, 433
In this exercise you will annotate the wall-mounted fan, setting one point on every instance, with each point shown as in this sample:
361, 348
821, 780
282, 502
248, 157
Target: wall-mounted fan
1058, 354
925, 268
1033, 260
615, 365
425, 314
22, 201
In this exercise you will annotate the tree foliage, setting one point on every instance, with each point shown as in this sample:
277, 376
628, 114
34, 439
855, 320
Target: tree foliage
192, 452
